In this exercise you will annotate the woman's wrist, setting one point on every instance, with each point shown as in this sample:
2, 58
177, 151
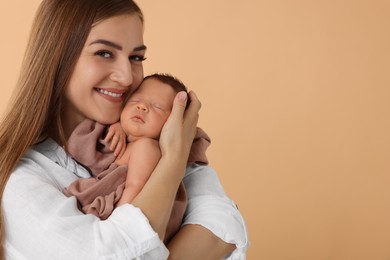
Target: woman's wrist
176, 162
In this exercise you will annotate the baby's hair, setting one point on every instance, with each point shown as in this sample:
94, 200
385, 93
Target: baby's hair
170, 80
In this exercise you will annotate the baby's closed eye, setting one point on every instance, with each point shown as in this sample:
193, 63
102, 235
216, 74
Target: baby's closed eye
133, 100
159, 106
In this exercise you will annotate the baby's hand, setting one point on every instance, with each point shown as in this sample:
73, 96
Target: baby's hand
117, 137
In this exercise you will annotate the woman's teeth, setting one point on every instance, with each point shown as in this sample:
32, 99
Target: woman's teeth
111, 94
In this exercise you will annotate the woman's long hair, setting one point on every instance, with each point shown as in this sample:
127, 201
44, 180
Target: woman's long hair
57, 37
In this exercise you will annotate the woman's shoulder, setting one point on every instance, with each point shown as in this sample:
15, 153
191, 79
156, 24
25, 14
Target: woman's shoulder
40, 157
48, 162
35, 160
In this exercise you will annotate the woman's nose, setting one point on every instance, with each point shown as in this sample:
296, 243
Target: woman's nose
142, 107
122, 74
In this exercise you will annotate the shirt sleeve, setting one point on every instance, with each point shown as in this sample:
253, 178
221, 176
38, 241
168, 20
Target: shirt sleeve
42, 223
210, 207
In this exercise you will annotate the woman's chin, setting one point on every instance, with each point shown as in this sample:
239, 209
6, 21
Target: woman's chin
107, 120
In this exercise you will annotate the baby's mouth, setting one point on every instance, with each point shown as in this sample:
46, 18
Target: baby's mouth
138, 119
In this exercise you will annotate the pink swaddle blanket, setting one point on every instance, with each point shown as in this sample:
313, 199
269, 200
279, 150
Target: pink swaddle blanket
99, 194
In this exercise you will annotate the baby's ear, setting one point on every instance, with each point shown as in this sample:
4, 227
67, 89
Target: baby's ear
188, 101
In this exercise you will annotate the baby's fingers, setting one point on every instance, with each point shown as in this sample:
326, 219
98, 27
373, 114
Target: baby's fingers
115, 143
120, 152
109, 135
119, 148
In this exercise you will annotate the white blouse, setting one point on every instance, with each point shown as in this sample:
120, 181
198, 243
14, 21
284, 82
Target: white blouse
42, 223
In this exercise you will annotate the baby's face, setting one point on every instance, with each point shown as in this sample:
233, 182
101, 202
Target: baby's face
147, 110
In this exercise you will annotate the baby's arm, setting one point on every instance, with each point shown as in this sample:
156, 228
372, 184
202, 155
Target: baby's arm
144, 155
117, 136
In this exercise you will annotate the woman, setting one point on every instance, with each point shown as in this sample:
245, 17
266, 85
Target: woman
83, 58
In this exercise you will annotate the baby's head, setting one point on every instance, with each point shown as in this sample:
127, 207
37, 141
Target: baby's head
148, 108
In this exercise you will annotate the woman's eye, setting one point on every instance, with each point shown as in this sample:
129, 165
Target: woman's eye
138, 58
104, 54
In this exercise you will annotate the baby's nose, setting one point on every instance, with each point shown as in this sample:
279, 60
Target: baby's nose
142, 107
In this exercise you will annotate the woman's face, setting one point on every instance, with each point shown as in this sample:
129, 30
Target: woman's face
108, 69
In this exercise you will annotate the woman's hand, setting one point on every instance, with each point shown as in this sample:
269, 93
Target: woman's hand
179, 131
157, 196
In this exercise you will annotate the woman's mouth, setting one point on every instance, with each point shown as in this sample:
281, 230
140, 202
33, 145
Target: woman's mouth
109, 93
112, 95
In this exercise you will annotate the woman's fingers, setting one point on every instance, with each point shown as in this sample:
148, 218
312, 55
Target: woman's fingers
179, 106
179, 130
192, 112
195, 103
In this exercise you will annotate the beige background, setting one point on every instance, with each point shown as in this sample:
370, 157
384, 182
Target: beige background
296, 99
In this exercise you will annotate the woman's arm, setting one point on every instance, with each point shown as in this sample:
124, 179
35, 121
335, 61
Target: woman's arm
38, 214
211, 217
157, 197
195, 242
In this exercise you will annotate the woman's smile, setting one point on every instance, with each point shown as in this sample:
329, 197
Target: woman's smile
112, 95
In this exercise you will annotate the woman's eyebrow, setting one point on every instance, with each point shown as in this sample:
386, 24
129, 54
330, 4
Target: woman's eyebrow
108, 43
115, 45
140, 48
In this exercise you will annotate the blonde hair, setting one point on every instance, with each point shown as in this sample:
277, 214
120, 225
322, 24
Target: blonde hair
57, 37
